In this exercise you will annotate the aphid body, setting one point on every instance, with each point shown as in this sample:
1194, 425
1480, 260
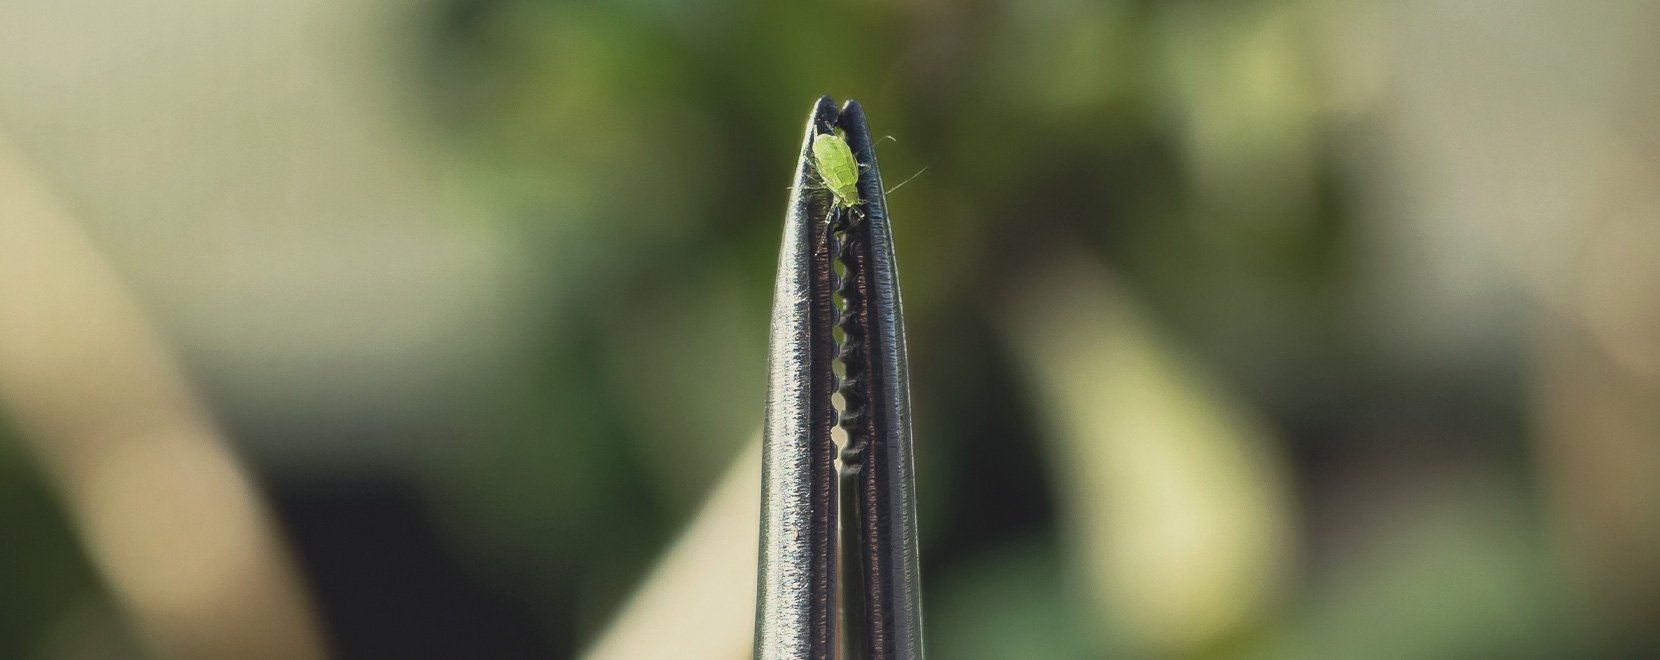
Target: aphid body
837, 168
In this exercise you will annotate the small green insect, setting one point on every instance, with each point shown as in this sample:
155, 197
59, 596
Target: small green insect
838, 169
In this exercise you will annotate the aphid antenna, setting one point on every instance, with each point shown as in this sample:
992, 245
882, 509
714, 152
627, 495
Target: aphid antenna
901, 184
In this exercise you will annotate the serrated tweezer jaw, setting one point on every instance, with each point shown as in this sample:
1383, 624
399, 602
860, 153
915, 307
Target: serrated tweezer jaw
838, 559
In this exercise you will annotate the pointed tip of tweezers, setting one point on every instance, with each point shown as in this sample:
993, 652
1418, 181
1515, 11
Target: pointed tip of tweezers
798, 607
795, 605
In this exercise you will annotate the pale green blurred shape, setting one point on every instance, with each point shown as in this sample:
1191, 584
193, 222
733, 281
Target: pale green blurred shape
1175, 499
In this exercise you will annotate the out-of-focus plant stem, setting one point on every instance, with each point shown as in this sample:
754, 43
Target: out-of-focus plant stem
167, 514
699, 602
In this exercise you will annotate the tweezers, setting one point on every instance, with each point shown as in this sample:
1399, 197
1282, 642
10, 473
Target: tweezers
838, 574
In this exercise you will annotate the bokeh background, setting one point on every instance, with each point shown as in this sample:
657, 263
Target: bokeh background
1267, 329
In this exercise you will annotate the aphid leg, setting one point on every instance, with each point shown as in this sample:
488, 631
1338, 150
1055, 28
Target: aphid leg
856, 216
811, 185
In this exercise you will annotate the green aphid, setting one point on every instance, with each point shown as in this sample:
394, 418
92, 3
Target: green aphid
838, 168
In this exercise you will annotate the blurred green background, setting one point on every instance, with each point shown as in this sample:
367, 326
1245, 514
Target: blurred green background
1270, 329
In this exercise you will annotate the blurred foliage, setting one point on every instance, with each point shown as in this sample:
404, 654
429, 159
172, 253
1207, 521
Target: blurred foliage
55, 578
643, 149
1163, 408
1194, 148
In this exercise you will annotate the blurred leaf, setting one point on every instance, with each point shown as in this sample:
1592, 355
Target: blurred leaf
43, 571
1178, 509
1456, 571
1012, 602
698, 602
